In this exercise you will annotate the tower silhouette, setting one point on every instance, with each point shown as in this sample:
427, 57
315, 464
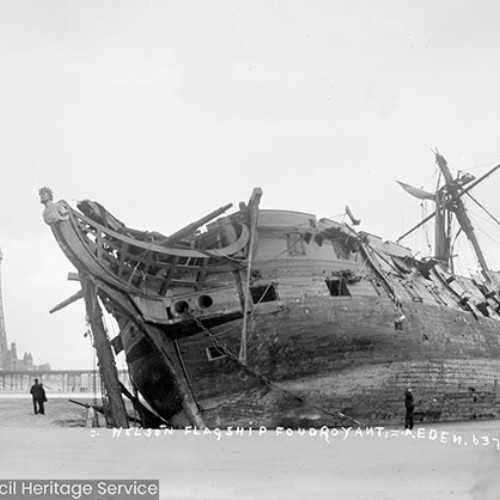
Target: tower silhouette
4, 349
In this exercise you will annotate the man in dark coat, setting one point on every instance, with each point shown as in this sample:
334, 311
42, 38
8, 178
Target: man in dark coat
39, 397
410, 408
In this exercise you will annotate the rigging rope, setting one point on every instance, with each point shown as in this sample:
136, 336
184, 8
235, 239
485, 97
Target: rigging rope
484, 209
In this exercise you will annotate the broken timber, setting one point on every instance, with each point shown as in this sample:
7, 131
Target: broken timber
105, 357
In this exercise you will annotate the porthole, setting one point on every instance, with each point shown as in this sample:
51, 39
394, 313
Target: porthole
205, 301
181, 307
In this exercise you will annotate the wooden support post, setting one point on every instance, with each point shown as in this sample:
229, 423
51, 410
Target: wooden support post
104, 353
253, 209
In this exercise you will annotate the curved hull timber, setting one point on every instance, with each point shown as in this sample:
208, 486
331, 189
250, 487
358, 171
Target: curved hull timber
333, 324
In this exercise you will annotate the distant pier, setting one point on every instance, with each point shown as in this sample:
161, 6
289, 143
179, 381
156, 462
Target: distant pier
84, 380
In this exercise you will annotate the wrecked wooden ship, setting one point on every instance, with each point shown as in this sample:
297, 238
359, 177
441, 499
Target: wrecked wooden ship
275, 318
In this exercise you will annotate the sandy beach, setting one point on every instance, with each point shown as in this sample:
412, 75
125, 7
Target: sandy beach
440, 461
17, 411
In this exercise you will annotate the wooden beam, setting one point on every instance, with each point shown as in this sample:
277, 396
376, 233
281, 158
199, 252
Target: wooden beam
166, 349
106, 361
191, 228
76, 296
253, 210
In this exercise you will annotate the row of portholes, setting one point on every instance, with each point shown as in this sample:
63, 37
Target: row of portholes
183, 306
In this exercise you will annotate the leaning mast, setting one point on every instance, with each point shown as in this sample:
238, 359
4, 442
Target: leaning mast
456, 205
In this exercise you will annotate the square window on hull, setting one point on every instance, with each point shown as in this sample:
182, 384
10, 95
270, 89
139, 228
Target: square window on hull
337, 288
263, 293
295, 244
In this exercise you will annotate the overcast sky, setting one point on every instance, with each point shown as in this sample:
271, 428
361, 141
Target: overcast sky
165, 110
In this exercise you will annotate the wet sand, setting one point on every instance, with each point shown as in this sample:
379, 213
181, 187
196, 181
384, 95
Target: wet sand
382, 466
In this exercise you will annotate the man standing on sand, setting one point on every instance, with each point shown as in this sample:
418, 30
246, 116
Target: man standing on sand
39, 397
410, 408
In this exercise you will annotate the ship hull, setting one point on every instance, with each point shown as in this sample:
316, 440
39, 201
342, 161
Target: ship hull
337, 361
292, 322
